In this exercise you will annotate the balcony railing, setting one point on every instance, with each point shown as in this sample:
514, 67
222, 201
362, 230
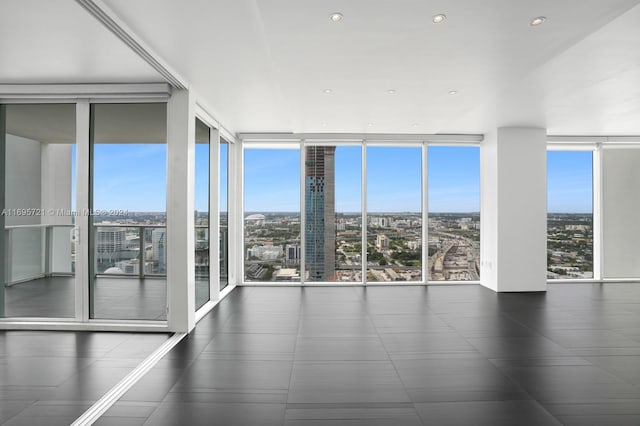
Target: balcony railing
38, 251
130, 250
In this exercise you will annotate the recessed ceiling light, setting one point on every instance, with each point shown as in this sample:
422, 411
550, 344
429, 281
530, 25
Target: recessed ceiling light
370, 124
327, 91
439, 18
453, 92
415, 125
336, 16
391, 91
324, 124
537, 21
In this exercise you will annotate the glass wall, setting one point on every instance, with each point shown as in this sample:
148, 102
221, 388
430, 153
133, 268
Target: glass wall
38, 218
570, 214
128, 219
332, 189
272, 215
394, 213
224, 213
333, 234
454, 213
201, 214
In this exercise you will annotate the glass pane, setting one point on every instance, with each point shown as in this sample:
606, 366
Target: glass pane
394, 214
201, 189
38, 216
128, 224
454, 213
333, 236
224, 213
570, 214
272, 215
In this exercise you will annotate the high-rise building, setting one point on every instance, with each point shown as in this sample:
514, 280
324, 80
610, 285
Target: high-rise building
158, 242
320, 212
292, 253
382, 242
110, 244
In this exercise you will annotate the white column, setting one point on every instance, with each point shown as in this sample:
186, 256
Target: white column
514, 210
180, 210
83, 189
235, 216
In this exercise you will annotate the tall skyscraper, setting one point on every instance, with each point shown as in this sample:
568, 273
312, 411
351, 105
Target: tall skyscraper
320, 232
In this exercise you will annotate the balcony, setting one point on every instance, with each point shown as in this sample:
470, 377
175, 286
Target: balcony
129, 270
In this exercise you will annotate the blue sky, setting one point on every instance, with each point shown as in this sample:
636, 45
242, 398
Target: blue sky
130, 177
454, 179
569, 181
133, 177
272, 179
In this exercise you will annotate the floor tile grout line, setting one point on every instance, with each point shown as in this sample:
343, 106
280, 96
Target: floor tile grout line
115, 393
393, 364
293, 359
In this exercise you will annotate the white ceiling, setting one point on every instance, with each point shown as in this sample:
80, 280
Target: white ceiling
262, 65
44, 41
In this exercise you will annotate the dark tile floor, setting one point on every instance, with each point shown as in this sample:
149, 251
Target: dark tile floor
115, 298
439, 355
51, 377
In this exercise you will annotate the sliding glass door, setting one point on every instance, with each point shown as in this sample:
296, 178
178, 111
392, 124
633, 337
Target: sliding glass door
127, 223
201, 214
223, 217
38, 160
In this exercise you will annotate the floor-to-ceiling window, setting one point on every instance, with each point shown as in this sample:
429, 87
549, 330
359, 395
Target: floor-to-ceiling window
272, 215
38, 203
570, 214
394, 242
201, 214
394, 213
224, 212
128, 218
454, 213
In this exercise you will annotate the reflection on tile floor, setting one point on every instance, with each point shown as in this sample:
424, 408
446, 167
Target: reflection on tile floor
51, 377
453, 355
446, 355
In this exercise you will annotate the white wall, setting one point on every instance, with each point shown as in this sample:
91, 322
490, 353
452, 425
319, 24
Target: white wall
488, 211
514, 210
620, 213
38, 177
56, 182
23, 186
25, 248
56, 194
